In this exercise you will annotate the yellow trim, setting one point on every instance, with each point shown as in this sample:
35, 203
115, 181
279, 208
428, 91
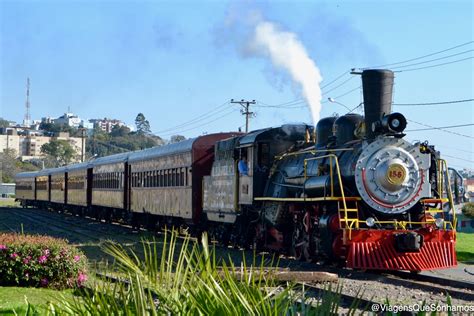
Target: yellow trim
313, 152
318, 199
444, 168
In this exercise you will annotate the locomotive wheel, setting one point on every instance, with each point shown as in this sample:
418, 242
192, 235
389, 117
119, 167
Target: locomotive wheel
300, 245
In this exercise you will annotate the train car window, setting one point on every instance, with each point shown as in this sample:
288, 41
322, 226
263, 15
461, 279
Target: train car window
186, 176
155, 178
263, 155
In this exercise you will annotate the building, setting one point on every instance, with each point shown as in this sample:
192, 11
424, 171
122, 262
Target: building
28, 147
7, 190
68, 119
106, 124
469, 185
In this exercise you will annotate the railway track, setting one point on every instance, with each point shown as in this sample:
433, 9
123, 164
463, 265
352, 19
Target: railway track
84, 228
423, 278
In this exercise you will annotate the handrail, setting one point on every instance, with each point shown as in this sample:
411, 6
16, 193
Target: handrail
313, 152
331, 171
444, 168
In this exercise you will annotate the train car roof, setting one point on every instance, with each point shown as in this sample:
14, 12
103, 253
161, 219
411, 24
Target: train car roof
57, 170
165, 150
290, 130
28, 174
117, 158
79, 166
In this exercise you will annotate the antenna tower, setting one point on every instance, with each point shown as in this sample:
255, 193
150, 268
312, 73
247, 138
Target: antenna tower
27, 119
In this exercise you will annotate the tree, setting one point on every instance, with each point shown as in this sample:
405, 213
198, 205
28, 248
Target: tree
142, 124
177, 139
119, 131
8, 165
58, 152
4, 123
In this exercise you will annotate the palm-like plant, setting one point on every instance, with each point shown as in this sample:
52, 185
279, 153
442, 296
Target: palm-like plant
183, 278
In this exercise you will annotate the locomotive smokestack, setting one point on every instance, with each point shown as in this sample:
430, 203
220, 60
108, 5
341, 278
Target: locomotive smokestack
377, 87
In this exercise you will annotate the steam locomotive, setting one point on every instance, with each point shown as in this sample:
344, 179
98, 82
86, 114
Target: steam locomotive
351, 189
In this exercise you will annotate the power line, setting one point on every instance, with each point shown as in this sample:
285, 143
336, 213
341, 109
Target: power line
216, 110
431, 60
195, 127
346, 72
301, 100
334, 88
293, 106
441, 129
421, 57
433, 103
462, 159
437, 65
453, 148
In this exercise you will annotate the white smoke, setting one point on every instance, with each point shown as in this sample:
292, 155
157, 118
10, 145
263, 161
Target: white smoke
286, 52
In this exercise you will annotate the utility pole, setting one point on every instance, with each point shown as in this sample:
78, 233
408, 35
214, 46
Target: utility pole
245, 111
83, 152
27, 119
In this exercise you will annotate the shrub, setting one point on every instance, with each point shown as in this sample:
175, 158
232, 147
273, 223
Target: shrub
40, 261
468, 210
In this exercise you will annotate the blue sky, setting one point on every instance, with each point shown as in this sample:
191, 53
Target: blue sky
178, 60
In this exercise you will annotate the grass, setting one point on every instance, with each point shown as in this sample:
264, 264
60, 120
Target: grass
465, 247
8, 202
12, 299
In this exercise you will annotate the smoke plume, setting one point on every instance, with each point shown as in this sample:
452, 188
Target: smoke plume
286, 52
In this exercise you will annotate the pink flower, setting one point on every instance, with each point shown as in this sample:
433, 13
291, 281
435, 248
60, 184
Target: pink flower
46, 252
3, 247
14, 255
26, 260
42, 259
81, 279
77, 258
44, 282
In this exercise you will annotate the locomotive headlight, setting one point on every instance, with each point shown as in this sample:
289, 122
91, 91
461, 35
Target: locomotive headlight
370, 221
439, 222
394, 122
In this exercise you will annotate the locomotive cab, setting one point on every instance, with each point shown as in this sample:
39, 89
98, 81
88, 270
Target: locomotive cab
226, 190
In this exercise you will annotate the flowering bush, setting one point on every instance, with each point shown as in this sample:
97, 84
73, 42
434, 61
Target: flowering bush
28, 260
